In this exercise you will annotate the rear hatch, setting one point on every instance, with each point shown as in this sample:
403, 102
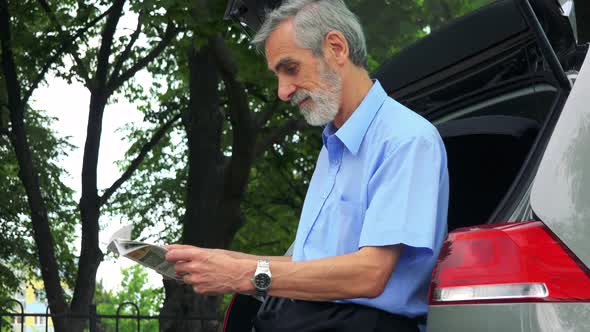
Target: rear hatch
475, 56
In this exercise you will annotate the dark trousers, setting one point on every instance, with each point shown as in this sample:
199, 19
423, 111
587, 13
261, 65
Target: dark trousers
306, 316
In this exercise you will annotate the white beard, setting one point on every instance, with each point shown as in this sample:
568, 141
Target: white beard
324, 103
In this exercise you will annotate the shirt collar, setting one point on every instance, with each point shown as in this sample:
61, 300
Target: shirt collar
353, 131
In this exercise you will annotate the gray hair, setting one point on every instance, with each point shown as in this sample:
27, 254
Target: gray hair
313, 19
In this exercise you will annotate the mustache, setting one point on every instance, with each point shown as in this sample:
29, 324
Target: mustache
299, 96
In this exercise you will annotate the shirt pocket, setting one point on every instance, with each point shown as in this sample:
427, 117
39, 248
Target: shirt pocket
337, 230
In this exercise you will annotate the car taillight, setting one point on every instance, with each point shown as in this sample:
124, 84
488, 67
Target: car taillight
509, 262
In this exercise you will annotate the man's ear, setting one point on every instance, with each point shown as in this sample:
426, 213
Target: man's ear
336, 47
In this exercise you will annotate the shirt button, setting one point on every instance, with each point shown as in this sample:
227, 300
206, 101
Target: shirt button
324, 196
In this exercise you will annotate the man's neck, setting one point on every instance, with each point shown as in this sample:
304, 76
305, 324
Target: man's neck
355, 87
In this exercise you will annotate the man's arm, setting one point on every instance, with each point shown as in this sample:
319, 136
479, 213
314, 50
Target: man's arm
361, 274
241, 255
233, 254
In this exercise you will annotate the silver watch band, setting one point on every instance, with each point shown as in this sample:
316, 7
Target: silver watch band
263, 266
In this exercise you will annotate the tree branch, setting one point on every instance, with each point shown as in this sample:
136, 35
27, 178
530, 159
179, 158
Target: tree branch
244, 129
239, 112
82, 69
276, 134
74, 53
137, 161
64, 47
105, 50
118, 80
125, 54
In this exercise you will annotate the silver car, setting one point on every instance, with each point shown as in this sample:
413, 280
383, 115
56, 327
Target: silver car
508, 87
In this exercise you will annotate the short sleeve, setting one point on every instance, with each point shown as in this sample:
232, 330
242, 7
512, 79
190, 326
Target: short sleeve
403, 200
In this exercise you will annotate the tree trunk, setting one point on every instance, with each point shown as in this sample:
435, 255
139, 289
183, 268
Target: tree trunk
29, 176
203, 123
90, 254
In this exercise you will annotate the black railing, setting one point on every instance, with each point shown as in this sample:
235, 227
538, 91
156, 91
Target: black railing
93, 318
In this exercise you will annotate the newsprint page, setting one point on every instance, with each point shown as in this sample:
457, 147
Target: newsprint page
148, 255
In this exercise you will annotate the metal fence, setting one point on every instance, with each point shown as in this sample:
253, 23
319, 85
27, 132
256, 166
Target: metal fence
93, 318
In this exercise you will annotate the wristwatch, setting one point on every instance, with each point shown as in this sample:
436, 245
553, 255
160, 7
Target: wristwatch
262, 277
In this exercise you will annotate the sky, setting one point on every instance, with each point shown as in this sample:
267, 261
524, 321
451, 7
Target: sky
69, 104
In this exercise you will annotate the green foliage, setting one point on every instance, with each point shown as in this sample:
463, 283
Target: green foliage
154, 197
18, 250
275, 194
132, 289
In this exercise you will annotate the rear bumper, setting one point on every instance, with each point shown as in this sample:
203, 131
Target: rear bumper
512, 317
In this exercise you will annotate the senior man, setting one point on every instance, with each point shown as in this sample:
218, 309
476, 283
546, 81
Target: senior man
374, 217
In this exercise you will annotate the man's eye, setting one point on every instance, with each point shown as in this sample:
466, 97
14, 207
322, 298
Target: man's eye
291, 70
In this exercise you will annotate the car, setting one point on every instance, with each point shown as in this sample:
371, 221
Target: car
508, 88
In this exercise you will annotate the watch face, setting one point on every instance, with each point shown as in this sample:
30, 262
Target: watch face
262, 281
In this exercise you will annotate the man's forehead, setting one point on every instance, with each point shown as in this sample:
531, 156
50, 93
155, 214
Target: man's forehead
280, 43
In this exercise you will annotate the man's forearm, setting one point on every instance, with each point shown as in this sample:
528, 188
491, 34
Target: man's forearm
241, 255
360, 274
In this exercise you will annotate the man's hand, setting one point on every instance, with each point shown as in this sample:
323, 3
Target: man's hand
211, 271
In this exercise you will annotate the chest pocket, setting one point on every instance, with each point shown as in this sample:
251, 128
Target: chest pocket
336, 231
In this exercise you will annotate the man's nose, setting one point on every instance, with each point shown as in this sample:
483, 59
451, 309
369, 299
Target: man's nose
286, 90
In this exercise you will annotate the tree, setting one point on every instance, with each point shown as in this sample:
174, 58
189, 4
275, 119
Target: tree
112, 70
132, 289
17, 254
18, 85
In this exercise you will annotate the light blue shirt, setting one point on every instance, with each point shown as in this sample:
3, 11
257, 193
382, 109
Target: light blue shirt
381, 179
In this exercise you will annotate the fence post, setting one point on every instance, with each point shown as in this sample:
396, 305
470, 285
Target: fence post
47, 316
92, 324
119, 311
22, 312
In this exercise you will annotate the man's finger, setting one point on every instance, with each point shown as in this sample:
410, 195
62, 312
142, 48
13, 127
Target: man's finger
177, 246
182, 268
183, 254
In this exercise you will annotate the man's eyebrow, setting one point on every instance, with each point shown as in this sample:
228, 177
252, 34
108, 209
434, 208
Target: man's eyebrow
283, 62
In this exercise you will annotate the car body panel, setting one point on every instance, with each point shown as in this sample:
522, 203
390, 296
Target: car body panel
561, 191
511, 317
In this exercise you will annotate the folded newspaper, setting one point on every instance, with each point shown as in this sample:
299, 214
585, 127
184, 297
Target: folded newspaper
148, 255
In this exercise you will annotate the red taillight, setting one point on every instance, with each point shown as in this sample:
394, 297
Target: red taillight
511, 262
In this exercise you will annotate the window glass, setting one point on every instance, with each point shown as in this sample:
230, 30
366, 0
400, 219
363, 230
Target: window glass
40, 320
40, 295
